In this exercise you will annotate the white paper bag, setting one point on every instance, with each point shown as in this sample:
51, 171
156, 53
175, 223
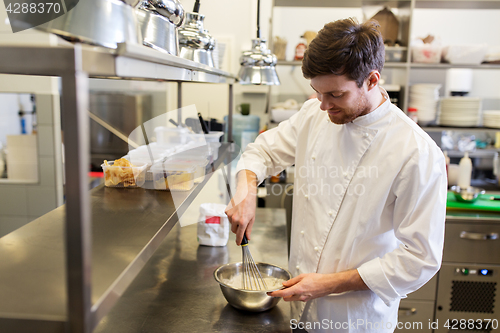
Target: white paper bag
213, 228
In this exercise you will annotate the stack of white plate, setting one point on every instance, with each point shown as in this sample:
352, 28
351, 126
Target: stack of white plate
491, 118
460, 111
424, 97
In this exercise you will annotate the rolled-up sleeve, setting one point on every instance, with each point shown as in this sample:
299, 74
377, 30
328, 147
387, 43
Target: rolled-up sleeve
419, 221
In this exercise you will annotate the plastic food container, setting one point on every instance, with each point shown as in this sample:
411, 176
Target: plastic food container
427, 53
213, 136
173, 177
395, 54
214, 150
171, 135
199, 164
465, 54
121, 176
147, 154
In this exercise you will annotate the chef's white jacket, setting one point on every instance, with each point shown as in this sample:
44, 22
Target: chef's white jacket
368, 195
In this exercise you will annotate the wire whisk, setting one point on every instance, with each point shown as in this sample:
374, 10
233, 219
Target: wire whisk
252, 279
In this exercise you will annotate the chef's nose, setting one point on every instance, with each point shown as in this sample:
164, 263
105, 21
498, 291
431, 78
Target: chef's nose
326, 103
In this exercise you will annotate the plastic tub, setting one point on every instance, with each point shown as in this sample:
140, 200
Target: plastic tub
173, 177
199, 164
171, 135
212, 136
472, 54
124, 176
214, 150
150, 155
395, 54
427, 53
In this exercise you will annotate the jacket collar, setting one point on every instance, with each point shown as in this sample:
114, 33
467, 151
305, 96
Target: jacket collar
376, 114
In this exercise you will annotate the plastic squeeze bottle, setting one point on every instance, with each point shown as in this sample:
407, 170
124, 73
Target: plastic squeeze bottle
447, 159
464, 171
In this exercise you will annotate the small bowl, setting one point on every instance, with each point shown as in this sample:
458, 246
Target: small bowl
469, 195
249, 300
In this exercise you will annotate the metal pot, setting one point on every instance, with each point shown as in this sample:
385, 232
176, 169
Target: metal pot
195, 42
157, 31
98, 22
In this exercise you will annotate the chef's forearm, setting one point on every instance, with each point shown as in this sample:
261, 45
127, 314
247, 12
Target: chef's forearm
247, 180
349, 281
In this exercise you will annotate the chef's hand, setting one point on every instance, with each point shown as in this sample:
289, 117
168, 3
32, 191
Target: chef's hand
241, 209
305, 287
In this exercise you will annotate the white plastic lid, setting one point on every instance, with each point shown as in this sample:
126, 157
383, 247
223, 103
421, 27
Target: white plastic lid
165, 166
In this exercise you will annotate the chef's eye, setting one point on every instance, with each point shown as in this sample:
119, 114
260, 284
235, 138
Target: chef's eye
336, 95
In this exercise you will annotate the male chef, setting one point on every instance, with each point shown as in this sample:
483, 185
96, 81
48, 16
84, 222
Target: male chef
369, 195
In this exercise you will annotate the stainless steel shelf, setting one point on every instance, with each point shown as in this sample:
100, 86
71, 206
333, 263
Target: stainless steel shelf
341, 3
479, 153
128, 225
447, 66
458, 4
68, 246
126, 62
472, 129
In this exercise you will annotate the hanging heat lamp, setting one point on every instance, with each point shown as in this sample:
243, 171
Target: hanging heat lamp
258, 66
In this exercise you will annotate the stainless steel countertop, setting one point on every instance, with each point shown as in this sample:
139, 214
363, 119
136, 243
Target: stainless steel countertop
176, 290
127, 226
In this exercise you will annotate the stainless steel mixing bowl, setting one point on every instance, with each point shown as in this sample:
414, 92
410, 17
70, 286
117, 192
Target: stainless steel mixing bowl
249, 300
470, 194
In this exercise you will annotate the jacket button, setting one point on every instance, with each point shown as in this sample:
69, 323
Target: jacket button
365, 135
302, 232
316, 248
306, 196
330, 213
346, 175
297, 267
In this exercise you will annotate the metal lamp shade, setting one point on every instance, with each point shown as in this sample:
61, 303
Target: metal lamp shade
157, 31
258, 66
258, 75
195, 42
98, 22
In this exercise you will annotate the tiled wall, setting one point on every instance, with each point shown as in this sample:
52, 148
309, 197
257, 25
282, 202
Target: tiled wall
22, 203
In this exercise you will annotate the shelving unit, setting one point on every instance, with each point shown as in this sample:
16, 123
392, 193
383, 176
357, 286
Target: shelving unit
401, 72
64, 271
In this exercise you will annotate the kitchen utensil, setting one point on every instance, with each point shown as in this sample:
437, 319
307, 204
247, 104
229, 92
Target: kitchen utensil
203, 125
195, 42
251, 276
157, 31
249, 300
98, 22
252, 279
470, 194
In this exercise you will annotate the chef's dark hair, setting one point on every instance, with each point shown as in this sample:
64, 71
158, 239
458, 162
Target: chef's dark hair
345, 47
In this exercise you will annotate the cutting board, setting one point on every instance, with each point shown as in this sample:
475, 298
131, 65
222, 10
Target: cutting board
483, 203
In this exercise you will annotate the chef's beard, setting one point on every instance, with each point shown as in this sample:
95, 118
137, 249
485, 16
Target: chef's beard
347, 115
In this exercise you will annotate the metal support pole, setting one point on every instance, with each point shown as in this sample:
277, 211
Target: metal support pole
78, 228
179, 102
230, 116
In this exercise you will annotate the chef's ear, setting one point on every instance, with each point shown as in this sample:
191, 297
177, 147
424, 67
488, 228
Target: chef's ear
372, 80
